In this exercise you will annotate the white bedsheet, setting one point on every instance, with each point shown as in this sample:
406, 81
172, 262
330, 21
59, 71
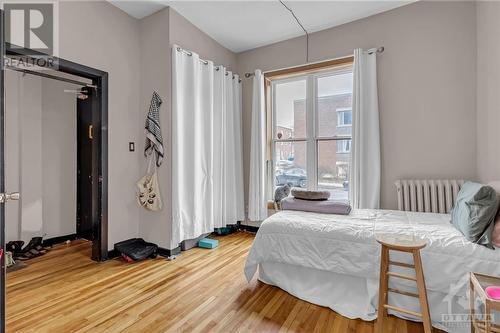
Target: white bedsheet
346, 245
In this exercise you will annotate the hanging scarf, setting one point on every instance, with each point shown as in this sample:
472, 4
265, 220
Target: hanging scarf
154, 140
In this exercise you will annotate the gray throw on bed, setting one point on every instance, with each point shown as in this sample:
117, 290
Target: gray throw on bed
325, 206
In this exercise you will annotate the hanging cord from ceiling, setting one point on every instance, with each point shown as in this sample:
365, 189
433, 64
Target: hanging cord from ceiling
300, 24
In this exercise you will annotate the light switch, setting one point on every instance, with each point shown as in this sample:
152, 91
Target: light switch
131, 146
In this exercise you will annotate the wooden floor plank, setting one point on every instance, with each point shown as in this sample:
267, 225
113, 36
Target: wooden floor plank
201, 291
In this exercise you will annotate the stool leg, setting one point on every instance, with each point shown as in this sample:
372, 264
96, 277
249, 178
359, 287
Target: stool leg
382, 290
487, 317
422, 292
472, 299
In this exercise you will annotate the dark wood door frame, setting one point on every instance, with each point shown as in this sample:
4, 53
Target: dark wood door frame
99, 171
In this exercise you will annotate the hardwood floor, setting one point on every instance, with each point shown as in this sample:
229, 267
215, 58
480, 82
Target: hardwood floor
202, 290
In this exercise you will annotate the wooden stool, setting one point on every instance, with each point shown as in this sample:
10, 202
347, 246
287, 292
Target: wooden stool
408, 245
478, 282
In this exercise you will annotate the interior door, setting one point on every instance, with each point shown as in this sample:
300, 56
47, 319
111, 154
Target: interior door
85, 135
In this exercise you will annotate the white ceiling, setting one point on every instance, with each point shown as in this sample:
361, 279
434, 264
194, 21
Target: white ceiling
243, 25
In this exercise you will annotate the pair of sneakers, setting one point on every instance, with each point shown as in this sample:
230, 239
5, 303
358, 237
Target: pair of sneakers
33, 249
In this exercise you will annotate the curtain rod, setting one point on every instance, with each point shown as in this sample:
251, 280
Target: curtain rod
48, 76
205, 62
370, 51
376, 50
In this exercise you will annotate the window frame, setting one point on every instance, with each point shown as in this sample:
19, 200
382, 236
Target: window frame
312, 138
343, 111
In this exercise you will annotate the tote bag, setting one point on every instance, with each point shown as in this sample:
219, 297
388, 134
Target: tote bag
148, 194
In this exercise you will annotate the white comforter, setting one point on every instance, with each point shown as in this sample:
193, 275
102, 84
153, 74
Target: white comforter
346, 245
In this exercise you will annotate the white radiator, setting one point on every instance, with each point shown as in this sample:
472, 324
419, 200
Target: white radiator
426, 195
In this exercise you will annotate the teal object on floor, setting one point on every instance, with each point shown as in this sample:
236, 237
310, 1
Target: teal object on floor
208, 243
225, 230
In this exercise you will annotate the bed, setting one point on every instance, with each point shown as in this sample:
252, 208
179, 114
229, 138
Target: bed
333, 261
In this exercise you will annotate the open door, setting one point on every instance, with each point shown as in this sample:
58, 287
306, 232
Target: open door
2, 175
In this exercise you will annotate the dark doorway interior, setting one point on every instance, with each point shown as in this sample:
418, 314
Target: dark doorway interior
85, 136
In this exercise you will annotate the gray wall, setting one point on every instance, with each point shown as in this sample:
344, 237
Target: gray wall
158, 33
59, 158
40, 157
155, 76
97, 34
426, 80
30, 162
488, 90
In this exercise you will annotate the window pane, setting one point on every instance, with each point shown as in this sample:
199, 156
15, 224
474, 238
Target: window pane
290, 110
290, 164
333, 104
333, 168
344, 117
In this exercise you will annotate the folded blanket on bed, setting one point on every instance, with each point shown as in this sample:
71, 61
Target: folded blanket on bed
325, 206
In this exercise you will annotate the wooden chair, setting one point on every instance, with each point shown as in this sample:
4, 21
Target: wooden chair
408, 245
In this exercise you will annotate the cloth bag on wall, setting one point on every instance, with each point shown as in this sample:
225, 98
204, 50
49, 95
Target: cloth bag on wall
148, 195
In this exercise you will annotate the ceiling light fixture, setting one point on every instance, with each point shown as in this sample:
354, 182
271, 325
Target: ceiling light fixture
307, 34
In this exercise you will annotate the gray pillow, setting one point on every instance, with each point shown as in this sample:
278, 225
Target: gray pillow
474, 212
310, 195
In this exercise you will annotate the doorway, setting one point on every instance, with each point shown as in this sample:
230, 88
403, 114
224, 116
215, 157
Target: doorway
92, 216
70, 110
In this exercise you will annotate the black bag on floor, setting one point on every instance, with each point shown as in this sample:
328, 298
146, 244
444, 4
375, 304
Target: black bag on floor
137, 248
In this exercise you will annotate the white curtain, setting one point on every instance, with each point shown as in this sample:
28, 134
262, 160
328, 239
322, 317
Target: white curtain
364, 180
228, 141
235, 155
207, 175
257, 205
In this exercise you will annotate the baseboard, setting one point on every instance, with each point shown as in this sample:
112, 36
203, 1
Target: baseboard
113, 254
161, 252
249, 228
167, 252
59, 239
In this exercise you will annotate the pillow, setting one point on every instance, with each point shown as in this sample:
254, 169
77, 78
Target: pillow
310, 195
495, 236
474, 212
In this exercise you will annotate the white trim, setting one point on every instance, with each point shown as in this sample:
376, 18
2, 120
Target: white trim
312, 125
311, 147
311, 63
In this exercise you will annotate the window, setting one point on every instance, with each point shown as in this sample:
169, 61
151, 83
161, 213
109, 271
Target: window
343, 146
344, 117
311, 130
